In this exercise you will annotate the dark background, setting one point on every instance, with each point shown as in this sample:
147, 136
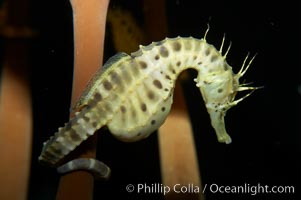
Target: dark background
263, 127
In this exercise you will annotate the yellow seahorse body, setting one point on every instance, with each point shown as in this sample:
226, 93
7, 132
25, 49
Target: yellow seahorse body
132, 94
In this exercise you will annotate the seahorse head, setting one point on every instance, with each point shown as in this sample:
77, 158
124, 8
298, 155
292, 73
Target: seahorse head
219, 89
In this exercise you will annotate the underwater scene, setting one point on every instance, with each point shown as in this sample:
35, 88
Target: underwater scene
149, 99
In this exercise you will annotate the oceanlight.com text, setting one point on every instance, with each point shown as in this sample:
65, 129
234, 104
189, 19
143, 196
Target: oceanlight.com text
248, 189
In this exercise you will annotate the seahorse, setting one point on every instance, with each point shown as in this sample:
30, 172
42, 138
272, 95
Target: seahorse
132, 95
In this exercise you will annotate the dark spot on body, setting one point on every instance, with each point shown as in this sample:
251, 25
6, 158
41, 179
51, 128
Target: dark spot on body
56, 150
86, 119
220, 90
157, 83
194, 57
97, 97
213, 58
178, 63
143, 107
166, 90
157, 57
94, 124
168, 77
115, 78
89, 106
123, 109
226, 67
108, 107
150, 95
207, 51
107, 85
153, 122
164, 51
92, 103
163, 109
199, 63
138, 134
171, 69
74, 136
176, 46
143, 64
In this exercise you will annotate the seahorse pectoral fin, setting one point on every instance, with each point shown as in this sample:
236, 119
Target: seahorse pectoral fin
218, 123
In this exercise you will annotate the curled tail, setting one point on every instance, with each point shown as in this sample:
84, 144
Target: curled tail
97, 168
